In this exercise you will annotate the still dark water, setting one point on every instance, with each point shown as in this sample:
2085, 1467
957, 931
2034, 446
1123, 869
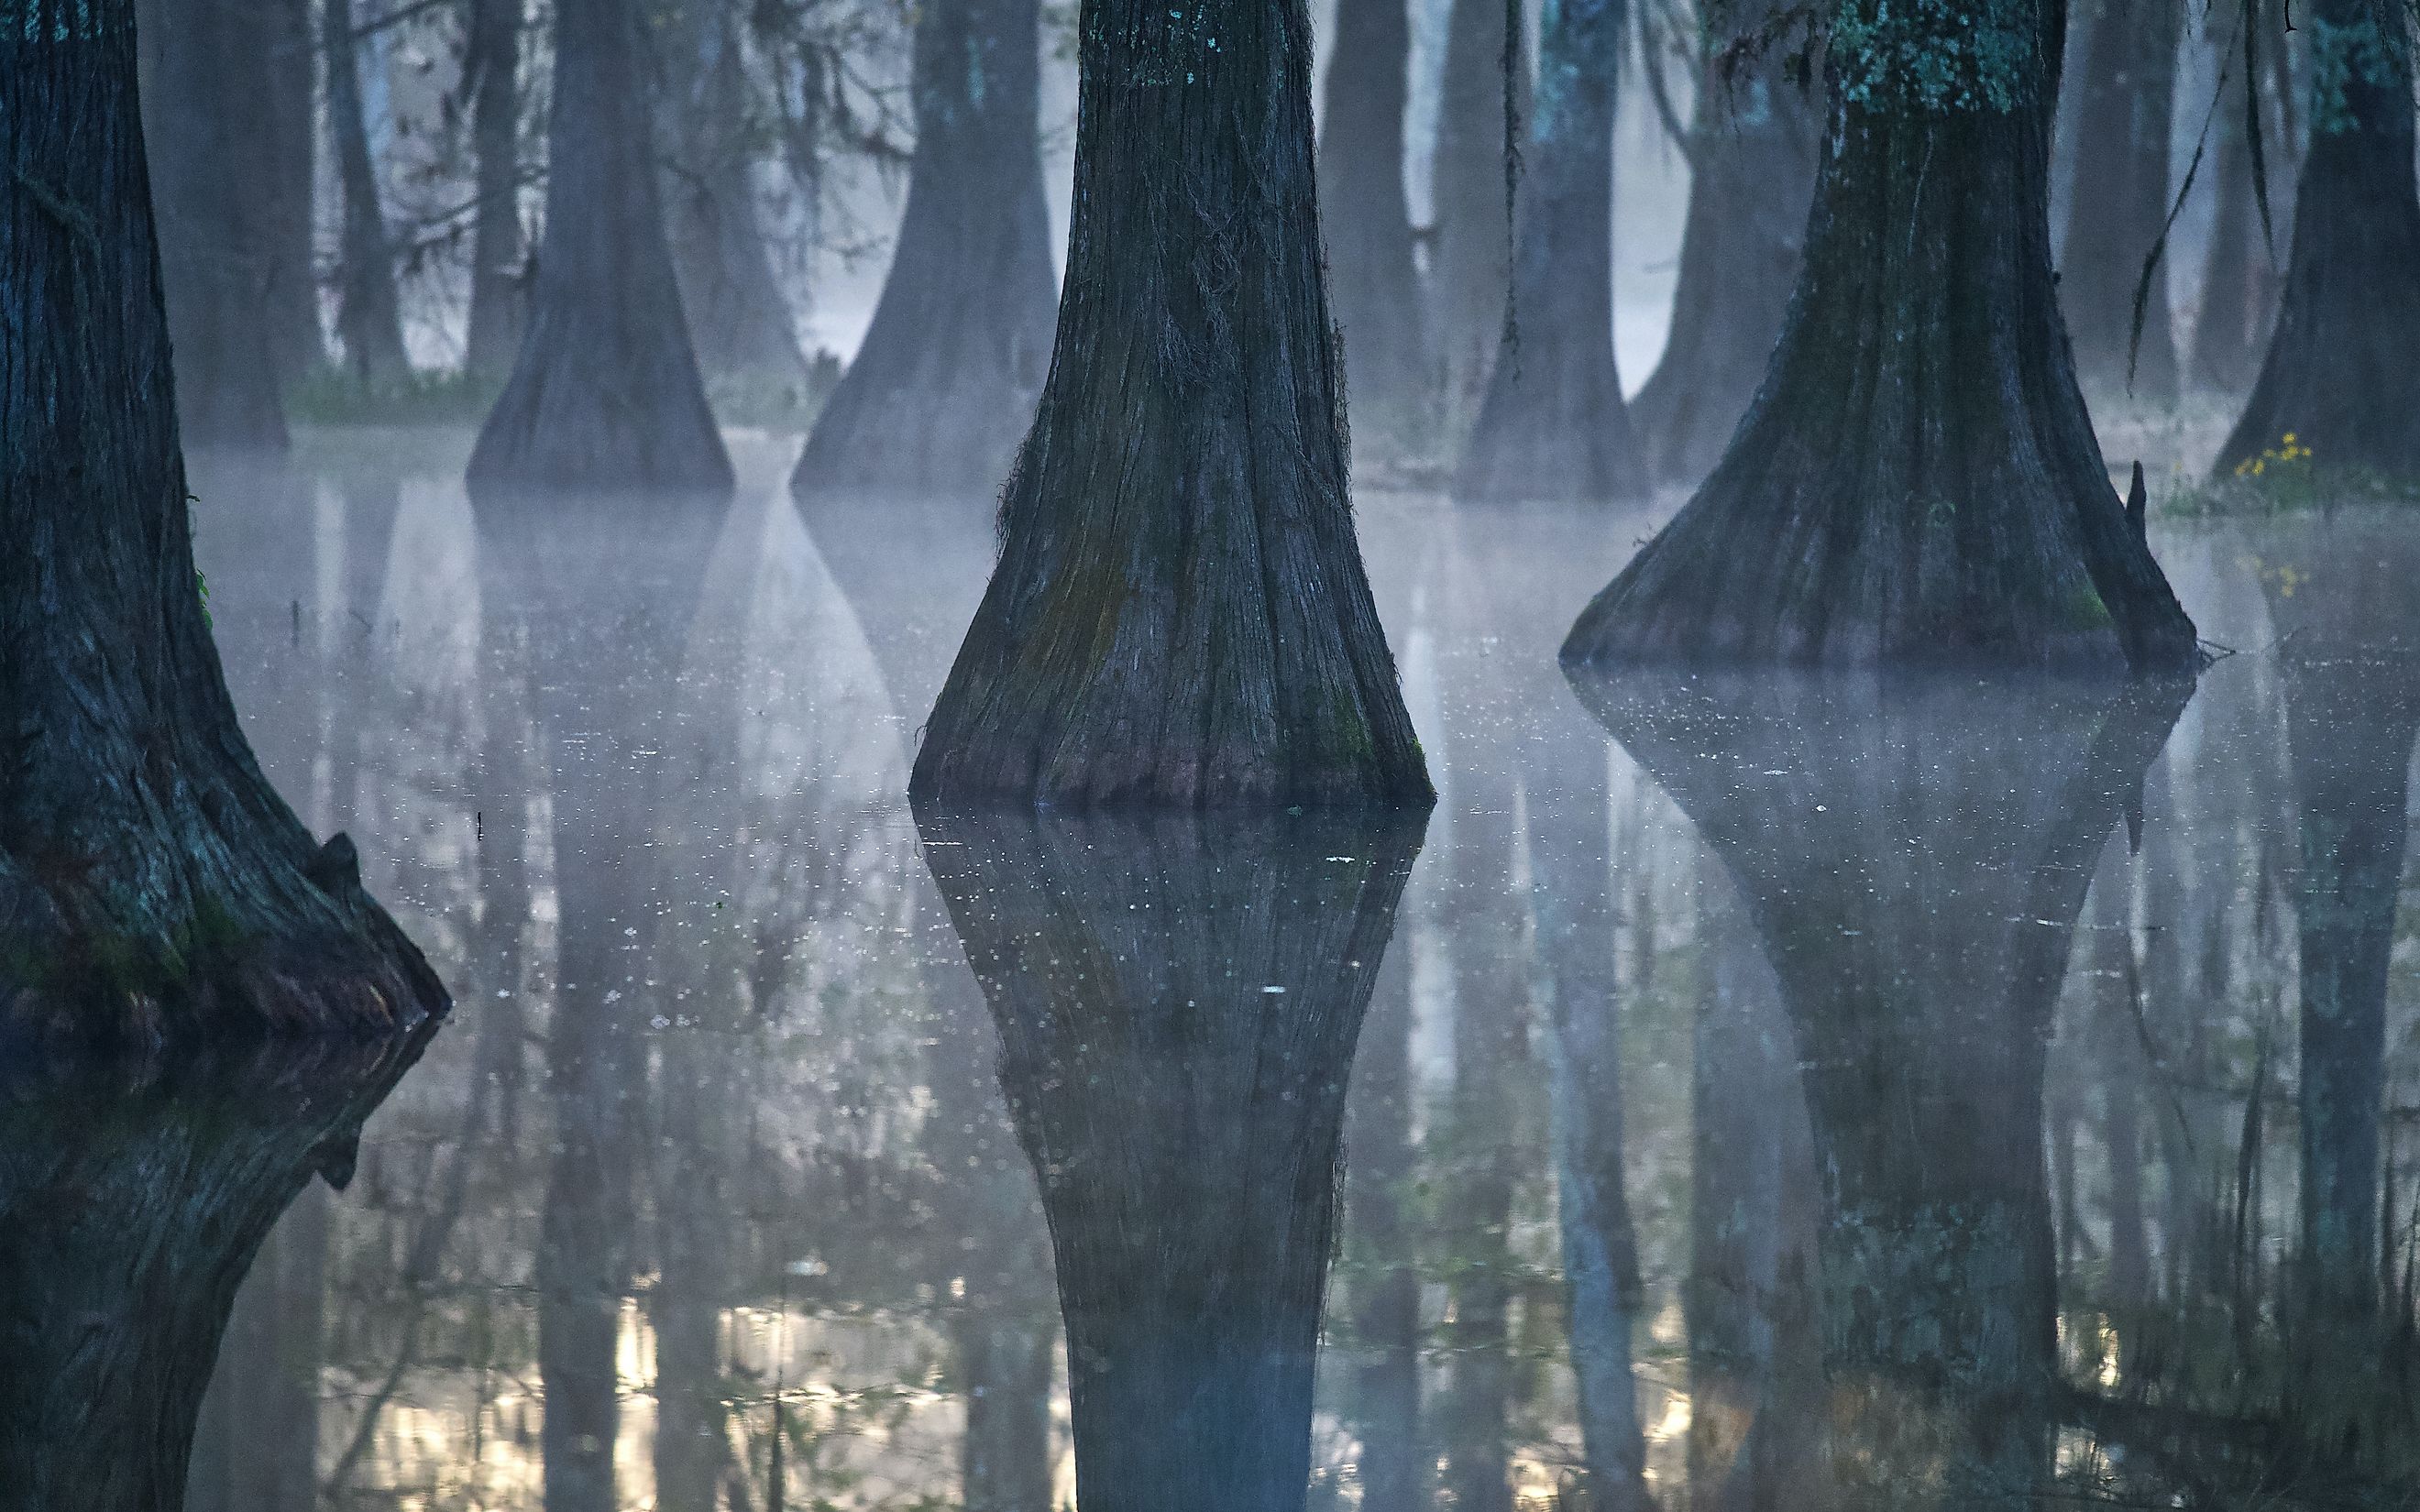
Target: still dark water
1743, 1093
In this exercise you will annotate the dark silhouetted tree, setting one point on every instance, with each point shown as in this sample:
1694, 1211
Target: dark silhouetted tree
200, 116
369, 314
945, 384
738, 319
1179, 614
1470, 254
1552, 425
148, 874
605, 394
1918, 480
1373, 278
2338, 373
491, 71
1751, 149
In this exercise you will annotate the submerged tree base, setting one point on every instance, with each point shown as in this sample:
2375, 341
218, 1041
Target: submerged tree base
156, 945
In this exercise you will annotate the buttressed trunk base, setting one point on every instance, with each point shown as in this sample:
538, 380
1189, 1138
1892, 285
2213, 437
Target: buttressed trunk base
1918, 480
1179, 615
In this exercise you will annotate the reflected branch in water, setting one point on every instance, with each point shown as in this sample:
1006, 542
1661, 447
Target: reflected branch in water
1178, 1000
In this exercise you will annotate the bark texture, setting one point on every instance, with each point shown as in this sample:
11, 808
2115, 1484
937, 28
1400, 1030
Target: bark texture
133, 1196
944, 387
1374, 277
738, 318
1752, 138
2122, 197
1917, 480
491, 62
200, 118
369, 316
1179, 615
2338, 373
1915, 858
289, 92
1553, 425
605, 393
1177, 1000
148, 874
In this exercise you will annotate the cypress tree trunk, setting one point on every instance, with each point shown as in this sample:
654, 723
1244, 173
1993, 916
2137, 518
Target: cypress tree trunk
2122, 197
148, 874
201, 117
1179, 615
1205, 981
1470, 263
738, 319
605, 394
1915, 858
133, 1199
2338, 372
1552, 426
369, 317
290, 94
944, 385
1918, 480
1751, 169
492, 61
1373, 278
2231, 327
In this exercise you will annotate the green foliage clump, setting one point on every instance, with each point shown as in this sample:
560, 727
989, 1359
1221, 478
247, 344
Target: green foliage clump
1932, 54
330, 396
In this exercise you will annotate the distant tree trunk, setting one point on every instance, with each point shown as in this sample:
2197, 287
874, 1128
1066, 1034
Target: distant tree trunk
1470, 262
1374, 277
1552, 426
498, 300
1918, 480
2121, 198
1210, 980
1179, 615
290, 92
738, 319
2338, 373
2238, 293
605, 394
1752, 139
201, 117
944, 387
369, 317
2116, 1030
147, 869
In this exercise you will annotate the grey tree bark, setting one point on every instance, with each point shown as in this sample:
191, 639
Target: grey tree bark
1374, 276
605, 394
2120, 206
370, 313
944, 385
1179, 615
149, 876
491, 62
1553, 425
